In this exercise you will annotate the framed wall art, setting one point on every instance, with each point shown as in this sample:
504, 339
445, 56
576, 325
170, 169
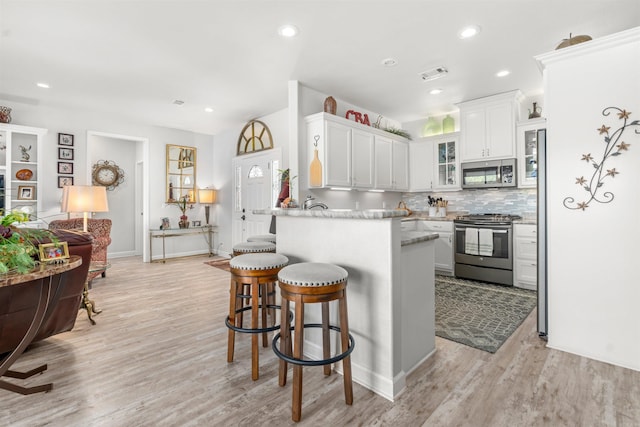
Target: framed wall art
26, 192
64, 180
65, 168
65, 153
65, 139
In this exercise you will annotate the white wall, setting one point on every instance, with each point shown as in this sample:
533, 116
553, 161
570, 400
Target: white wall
78, 123
593, 286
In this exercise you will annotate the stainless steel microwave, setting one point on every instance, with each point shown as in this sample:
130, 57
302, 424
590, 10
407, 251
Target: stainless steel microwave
489, 174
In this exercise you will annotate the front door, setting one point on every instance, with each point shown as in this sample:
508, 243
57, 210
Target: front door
256, 187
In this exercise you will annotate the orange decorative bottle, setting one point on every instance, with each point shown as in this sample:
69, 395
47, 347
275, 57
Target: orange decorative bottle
315, 170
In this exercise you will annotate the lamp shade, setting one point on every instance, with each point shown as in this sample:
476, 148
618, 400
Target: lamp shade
84, 198
207, 196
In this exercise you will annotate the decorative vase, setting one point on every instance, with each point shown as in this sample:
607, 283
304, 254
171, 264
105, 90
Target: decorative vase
5, 114
315, 170
330, 105
448, 125
535, 113
184, 222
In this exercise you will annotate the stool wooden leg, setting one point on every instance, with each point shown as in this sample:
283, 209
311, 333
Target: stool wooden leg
326, 341
346, 362
263, 311
296, 409
271, 288
233, 299
255, 302
285, 341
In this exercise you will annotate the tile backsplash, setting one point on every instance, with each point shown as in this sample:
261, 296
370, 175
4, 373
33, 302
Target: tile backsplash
492, 200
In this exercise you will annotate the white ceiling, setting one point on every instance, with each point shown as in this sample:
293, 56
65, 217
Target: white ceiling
136, 57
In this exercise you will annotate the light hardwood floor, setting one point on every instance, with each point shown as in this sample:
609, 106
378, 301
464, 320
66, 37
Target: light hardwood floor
157, 357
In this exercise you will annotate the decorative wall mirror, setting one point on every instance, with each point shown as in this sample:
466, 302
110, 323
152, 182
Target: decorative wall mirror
181, 173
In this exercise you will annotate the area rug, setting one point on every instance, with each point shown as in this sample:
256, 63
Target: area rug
221, 263
480, 315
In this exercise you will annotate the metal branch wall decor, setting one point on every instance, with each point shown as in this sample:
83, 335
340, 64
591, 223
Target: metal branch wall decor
614, 146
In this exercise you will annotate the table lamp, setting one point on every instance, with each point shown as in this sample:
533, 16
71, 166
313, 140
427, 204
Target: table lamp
85, 199
207, 197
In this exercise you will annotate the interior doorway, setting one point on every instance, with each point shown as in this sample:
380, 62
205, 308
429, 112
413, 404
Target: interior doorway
256, 186
129, 202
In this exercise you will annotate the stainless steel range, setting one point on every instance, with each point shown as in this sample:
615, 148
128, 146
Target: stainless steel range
484, 247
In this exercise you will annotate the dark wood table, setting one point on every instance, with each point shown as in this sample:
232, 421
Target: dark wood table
49, 294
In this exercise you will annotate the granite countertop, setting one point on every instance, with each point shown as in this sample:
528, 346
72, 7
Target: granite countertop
531, 221
411, 237
336, 213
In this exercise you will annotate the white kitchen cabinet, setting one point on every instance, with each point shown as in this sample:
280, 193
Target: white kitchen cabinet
421, 165
362, 159
384, 163
400, 154
21, 169
488, 127
434, 163
443, 246
337, 155
527, 149
357, 156
525, 255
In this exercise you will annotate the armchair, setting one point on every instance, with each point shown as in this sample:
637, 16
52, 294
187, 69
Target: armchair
100, 229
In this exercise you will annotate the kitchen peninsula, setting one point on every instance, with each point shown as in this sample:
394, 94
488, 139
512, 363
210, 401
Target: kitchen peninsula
390, 290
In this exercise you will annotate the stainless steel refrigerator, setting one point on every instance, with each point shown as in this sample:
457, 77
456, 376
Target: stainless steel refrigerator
542, 233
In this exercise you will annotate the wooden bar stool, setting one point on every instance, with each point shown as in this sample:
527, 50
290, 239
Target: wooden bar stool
253, 247
262, 238
306, 283
256, 270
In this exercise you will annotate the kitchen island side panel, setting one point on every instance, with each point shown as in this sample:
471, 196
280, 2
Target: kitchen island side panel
369, 249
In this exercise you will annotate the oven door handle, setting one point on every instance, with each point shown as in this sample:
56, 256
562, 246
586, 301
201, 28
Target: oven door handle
494, 231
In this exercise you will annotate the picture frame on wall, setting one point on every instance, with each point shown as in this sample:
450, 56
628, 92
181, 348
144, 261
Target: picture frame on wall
26, 192
65, 153
65, 139
65, 168
64, 180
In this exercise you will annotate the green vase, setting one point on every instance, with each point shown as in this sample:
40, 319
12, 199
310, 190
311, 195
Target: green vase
448, 125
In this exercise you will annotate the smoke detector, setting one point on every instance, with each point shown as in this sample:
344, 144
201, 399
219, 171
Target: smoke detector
433, 74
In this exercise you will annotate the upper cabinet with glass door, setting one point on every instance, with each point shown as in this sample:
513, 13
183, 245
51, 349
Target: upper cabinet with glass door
527, 147
181, 173
446, 167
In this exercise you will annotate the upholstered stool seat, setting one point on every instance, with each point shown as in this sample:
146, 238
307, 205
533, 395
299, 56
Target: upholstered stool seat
262, 238
258, 270
304, 283
253, 247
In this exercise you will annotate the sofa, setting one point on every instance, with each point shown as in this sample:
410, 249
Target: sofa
100, 229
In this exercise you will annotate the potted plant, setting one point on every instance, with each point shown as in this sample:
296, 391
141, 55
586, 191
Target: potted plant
183, 205
18, 247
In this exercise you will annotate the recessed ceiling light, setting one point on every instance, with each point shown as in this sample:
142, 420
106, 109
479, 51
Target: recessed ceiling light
435, 91
389, 62
208, 110
503, 73
468, 32
43, 85
288, 30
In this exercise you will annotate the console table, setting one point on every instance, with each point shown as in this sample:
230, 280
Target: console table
206, 230
48, 292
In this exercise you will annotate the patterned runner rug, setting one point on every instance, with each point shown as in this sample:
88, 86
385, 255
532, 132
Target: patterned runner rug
478, 314
221, 263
